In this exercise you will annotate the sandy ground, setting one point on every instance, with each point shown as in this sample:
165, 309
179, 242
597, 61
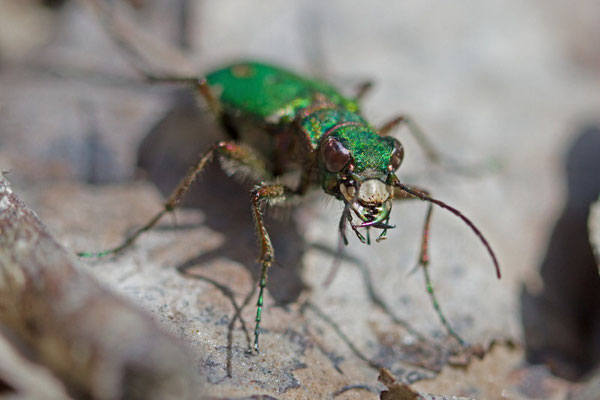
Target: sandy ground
508, 85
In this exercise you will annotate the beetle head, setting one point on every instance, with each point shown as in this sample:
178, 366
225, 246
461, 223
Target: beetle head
358, 168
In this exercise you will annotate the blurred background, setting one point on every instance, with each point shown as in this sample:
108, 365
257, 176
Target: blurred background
505, 84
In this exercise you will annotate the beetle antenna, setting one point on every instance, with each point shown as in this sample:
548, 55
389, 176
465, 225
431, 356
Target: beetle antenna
460, 215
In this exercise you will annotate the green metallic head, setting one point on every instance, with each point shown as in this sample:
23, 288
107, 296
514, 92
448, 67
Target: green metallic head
357, 166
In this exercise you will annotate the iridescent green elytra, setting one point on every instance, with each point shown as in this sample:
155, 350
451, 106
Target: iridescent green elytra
263, 90
280, 122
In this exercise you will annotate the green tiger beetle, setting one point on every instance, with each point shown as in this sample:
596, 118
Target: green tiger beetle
279, 122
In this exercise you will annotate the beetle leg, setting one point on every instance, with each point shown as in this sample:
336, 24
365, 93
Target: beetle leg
199, 84
423, 260
269, 194
430, 151
433, 154
342, 241
123, 38
362, 89
239, 155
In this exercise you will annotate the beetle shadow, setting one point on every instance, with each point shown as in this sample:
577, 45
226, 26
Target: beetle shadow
410, 354
562, 322
166, 154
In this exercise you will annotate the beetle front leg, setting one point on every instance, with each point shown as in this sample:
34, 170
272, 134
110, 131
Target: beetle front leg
269, 194
424, 259
239, 155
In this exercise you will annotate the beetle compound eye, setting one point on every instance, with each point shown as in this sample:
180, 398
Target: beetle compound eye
397, 156
335, 155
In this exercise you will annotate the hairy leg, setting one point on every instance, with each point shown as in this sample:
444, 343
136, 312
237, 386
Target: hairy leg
265, 194
239, 155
